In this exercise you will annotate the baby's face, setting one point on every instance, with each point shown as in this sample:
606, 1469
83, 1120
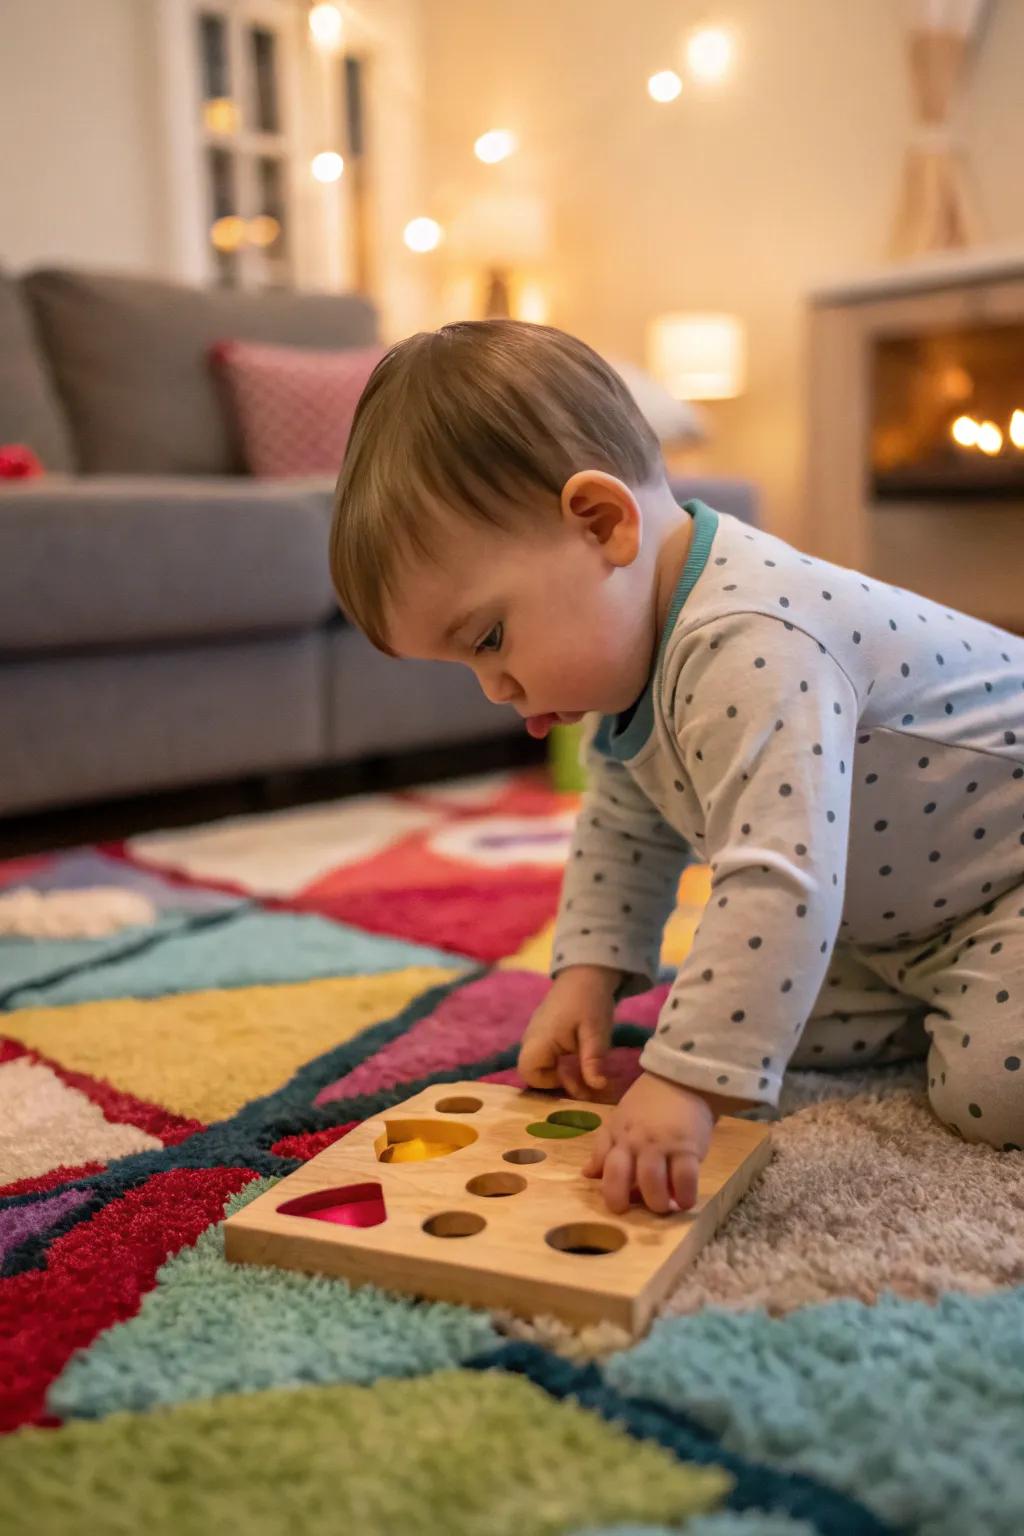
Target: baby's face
545, 623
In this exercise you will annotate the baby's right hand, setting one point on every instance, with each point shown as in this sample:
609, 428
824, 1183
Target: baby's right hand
575, 1019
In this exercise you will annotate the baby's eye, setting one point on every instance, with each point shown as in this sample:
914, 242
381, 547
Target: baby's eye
492, 640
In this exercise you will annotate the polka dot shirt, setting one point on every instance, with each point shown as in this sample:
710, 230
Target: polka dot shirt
848, 758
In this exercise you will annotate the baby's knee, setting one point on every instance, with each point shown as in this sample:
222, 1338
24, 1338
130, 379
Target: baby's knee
979, 1096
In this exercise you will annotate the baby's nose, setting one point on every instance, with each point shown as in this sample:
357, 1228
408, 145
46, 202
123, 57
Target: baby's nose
500, 689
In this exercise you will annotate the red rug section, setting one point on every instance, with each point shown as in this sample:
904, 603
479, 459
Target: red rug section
44, 1181
308, 1143
486, 923
115, 1105
95, 1276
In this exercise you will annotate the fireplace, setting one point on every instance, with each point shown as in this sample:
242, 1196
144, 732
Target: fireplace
915, 420
947, 413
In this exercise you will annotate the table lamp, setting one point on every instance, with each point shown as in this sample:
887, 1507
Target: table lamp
698, 356
499, 232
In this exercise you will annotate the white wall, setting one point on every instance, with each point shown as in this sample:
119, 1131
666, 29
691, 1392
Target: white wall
739, 199
79, 163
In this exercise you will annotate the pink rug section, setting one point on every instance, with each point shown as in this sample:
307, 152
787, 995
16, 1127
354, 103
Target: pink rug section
485, 1016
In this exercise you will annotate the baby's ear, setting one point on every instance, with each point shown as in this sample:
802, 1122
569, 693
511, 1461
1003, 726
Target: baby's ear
604, 510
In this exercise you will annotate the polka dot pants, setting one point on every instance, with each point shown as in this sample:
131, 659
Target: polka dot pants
957, 998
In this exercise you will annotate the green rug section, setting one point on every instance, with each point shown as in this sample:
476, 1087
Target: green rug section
464, 1453
209, 1327
915, 1410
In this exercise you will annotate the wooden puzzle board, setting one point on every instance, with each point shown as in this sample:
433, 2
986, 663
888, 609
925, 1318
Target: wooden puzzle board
505, 1220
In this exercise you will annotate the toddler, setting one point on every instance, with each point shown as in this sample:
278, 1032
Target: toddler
846, 756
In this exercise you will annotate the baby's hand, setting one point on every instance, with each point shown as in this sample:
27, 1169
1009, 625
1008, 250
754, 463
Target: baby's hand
655, 1139
574, 1020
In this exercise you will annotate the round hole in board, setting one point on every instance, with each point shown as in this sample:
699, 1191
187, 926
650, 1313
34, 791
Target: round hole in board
586, 1239
494, 1185
454, 1224
458, 1106
524, 1155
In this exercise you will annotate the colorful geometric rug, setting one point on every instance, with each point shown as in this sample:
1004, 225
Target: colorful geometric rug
186, 1018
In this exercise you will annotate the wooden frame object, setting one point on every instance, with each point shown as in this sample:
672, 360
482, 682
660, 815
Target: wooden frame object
473, 1192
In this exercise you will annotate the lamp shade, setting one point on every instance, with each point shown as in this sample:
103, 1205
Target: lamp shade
698, 356
501, 228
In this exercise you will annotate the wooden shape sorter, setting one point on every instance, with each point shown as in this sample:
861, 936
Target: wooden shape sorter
473, 1192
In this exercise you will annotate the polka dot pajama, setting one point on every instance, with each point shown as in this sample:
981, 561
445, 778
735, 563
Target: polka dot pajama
849, 760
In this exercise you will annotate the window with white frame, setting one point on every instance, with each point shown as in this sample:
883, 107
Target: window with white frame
263, 115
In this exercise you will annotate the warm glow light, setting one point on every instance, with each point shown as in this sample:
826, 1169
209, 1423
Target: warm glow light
220, 115
327, 166
496, 145
965, 431
228, 233
664, 86
698, 357
263, 230
422, 234
990, 439
709, 55
1017, 429
533, 304
326, 25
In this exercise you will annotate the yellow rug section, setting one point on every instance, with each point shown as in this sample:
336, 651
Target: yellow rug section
694, 890
206, 1054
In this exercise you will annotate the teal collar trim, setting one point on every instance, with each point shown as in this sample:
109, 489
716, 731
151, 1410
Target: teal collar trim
623, 736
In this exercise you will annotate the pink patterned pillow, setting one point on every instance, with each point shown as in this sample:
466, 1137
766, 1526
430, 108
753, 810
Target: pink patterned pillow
293, 407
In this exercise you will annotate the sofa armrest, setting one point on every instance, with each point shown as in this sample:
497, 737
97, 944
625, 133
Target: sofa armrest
104, 561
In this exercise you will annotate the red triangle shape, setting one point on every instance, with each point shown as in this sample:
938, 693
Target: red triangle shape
355, 1205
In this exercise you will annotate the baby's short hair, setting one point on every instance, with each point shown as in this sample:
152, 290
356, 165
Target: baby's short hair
472, 419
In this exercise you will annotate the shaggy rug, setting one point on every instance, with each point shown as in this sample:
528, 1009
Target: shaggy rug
188, 1017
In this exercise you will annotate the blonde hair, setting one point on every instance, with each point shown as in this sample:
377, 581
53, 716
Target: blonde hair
474, 418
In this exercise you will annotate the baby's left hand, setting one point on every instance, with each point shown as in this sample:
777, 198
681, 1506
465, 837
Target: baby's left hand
654, 1139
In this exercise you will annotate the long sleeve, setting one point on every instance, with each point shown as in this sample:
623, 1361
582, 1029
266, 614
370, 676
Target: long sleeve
621, 879
765, 722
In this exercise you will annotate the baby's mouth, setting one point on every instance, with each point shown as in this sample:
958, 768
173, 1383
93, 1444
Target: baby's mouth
539, 725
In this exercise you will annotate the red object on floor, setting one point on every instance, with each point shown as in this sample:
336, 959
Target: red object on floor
96, 1275
18, 462
308, 1143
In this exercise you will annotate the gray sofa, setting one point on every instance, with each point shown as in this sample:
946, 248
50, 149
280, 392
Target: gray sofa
165, 620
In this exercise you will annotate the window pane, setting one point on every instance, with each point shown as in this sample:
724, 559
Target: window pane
266, 114
213, 49
268, 231
352, 87
221, 176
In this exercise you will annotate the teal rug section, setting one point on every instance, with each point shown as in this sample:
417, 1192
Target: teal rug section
729, 1523
917, 1411
210, 1327
41, 967
248, 948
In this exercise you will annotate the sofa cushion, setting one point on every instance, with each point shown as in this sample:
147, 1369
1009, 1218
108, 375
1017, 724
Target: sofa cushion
29, 410
112, 562
130, 358
293, 406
